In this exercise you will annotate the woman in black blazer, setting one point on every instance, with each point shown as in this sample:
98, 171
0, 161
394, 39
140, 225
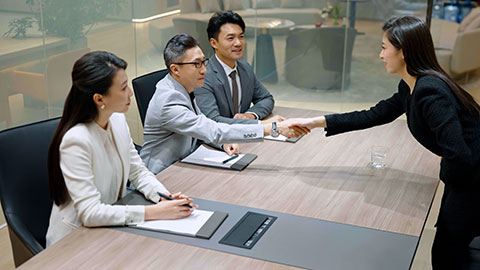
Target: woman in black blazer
443, 117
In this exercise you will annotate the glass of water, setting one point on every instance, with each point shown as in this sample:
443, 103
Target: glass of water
378, 157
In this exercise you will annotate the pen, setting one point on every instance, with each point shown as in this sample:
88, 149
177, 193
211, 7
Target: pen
230, 158
170, 198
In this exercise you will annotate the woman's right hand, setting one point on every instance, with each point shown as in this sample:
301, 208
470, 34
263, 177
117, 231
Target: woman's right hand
309, 123
166, 209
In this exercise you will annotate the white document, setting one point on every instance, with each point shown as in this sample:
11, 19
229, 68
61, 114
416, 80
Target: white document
210, 157
187, 226
282, 138
279, 138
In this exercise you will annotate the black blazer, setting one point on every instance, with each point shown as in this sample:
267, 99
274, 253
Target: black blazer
435, 118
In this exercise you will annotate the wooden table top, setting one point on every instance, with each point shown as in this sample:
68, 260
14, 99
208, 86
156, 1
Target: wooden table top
318, 177
326, 178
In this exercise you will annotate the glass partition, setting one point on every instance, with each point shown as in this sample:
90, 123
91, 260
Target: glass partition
41, 39
313, 54
328, 57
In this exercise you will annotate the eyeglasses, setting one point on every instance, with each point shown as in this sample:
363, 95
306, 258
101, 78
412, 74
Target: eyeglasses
198, 64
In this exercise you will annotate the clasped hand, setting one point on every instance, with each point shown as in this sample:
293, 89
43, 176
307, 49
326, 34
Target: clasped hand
288, 129
170, 209
231, 148
308, 123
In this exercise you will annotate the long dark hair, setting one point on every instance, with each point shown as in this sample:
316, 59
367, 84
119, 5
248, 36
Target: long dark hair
412, 35
93, 73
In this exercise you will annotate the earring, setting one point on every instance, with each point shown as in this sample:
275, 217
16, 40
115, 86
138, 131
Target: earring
102, 107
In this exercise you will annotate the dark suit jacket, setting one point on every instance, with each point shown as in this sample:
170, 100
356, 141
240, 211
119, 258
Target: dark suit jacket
215, 98
435, 118
441, 124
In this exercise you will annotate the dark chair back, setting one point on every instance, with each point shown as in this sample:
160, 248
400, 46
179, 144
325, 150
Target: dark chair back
144, 88
24, 189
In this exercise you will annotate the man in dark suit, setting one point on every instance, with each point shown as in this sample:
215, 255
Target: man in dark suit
230, 84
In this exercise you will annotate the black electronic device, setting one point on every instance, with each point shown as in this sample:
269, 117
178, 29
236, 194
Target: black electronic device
248, 230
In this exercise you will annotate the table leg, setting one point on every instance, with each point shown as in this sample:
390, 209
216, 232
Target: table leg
353, 7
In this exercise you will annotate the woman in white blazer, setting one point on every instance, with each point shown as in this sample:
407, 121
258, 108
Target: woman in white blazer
92, 155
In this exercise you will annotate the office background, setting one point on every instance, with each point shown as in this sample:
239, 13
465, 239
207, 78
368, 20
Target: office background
312, 54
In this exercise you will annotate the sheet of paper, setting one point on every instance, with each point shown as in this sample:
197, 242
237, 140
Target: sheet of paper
222, 158
189, 225
282, 138
279, 138
210, 157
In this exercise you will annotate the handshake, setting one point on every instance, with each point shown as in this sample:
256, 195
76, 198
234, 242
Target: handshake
290, 128
293, 127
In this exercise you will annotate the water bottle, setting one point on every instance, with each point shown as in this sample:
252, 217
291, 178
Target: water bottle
451, 12
466, 8
437, 10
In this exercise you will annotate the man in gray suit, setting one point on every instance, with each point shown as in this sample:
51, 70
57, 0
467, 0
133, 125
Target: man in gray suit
174, 123
230, 84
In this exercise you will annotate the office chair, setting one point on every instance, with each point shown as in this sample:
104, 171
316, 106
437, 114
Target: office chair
144, 88
474, 252
24, 189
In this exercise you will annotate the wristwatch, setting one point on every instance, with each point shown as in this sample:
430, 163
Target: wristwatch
274, 132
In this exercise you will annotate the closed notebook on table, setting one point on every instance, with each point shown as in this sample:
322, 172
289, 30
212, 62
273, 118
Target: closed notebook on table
215, 158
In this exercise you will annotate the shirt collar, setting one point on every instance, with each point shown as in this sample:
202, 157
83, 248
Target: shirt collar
177, 86
227, 69
103, 134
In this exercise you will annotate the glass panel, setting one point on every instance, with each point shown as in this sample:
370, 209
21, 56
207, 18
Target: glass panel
35, 70
308, 54
113, 32
453, 29
23, 54
326, 58
153, 26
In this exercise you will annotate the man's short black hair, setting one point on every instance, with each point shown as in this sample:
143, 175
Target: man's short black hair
176, 47
220, 18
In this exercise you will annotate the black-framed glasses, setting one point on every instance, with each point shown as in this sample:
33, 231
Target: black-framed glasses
198, 64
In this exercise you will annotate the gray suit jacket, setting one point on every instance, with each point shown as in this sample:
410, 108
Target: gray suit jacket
215, 98
172, 127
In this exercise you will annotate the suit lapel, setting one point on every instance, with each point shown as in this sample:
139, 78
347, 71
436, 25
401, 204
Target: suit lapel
222, 78
117, 138
246, 88
176, 86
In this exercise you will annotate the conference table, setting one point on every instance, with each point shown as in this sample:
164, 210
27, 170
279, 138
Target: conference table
318, 177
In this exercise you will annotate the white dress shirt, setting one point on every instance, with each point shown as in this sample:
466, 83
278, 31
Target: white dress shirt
229, 70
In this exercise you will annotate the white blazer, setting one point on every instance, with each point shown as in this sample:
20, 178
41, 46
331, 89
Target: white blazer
82, 159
